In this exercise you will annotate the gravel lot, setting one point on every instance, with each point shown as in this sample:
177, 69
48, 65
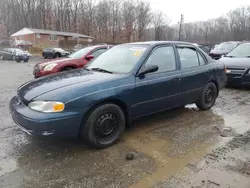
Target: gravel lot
181, 148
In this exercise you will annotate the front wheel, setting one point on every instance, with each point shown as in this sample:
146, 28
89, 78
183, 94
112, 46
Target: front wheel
208, 97
104, 126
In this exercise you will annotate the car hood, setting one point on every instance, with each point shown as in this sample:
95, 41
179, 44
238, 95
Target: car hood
236, 62
64, 81
60, 60
215, 51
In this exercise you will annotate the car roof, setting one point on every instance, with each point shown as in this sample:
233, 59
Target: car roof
99, 46
153, 43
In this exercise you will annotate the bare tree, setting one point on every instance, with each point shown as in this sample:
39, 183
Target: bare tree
129, 18
159, 22
144, 18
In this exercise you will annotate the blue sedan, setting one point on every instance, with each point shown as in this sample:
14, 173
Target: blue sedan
127, 82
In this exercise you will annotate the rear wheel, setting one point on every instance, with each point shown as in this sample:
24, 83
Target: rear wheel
208, 97
104, 126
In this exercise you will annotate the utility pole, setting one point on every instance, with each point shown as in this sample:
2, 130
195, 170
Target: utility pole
181, 22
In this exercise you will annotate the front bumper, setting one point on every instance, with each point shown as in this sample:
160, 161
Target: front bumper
233, 80
37, 72
65, 124
41, 73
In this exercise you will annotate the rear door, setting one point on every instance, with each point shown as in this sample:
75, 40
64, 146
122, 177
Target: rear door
195, 72
158, 90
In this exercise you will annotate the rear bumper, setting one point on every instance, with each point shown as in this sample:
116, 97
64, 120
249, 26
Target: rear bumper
65, 124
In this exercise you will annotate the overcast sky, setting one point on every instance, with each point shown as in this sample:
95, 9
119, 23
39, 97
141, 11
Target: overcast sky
195, 10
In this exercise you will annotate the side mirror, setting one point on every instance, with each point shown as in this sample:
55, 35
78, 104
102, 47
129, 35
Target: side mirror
149, 69
89, 57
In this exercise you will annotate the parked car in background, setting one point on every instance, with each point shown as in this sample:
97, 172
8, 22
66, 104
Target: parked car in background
81, 46
238, 65
75, 60
5, 55
126, 82
78, 47
54, 53
205, 48
223, 49
12, 53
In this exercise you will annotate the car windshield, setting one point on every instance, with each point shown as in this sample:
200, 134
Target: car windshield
59, 49
242, 50
226, 46
119, 59
81, 53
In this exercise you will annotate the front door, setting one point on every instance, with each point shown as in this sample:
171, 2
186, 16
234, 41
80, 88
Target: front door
159, 90
195, 72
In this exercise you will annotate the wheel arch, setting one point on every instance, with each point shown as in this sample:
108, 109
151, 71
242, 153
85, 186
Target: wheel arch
216, 84
117, 102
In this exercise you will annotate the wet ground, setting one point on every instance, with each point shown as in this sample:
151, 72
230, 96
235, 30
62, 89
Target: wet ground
182, 148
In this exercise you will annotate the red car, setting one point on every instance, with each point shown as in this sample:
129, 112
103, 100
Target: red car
75, 60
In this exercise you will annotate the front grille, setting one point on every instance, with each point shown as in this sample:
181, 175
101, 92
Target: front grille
236, 71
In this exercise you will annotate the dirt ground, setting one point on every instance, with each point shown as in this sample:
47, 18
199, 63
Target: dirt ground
182, 148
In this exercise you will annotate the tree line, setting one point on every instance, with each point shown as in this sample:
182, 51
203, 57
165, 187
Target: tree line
116, 21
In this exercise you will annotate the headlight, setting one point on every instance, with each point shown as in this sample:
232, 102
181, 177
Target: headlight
47, 106
49, 66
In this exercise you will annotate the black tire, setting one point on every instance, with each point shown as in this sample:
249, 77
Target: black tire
208, 97
93, 131
45, 57
18, 61
57, 55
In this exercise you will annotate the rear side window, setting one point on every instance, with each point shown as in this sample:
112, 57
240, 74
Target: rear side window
164, 58
190, 57
201, 59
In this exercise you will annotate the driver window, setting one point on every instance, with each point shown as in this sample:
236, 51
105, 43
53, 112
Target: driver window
164, 58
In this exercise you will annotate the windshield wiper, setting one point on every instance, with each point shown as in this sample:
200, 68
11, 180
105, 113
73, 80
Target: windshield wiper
101, 70
229, 56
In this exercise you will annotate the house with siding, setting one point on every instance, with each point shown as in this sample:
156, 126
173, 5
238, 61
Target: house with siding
51, 38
